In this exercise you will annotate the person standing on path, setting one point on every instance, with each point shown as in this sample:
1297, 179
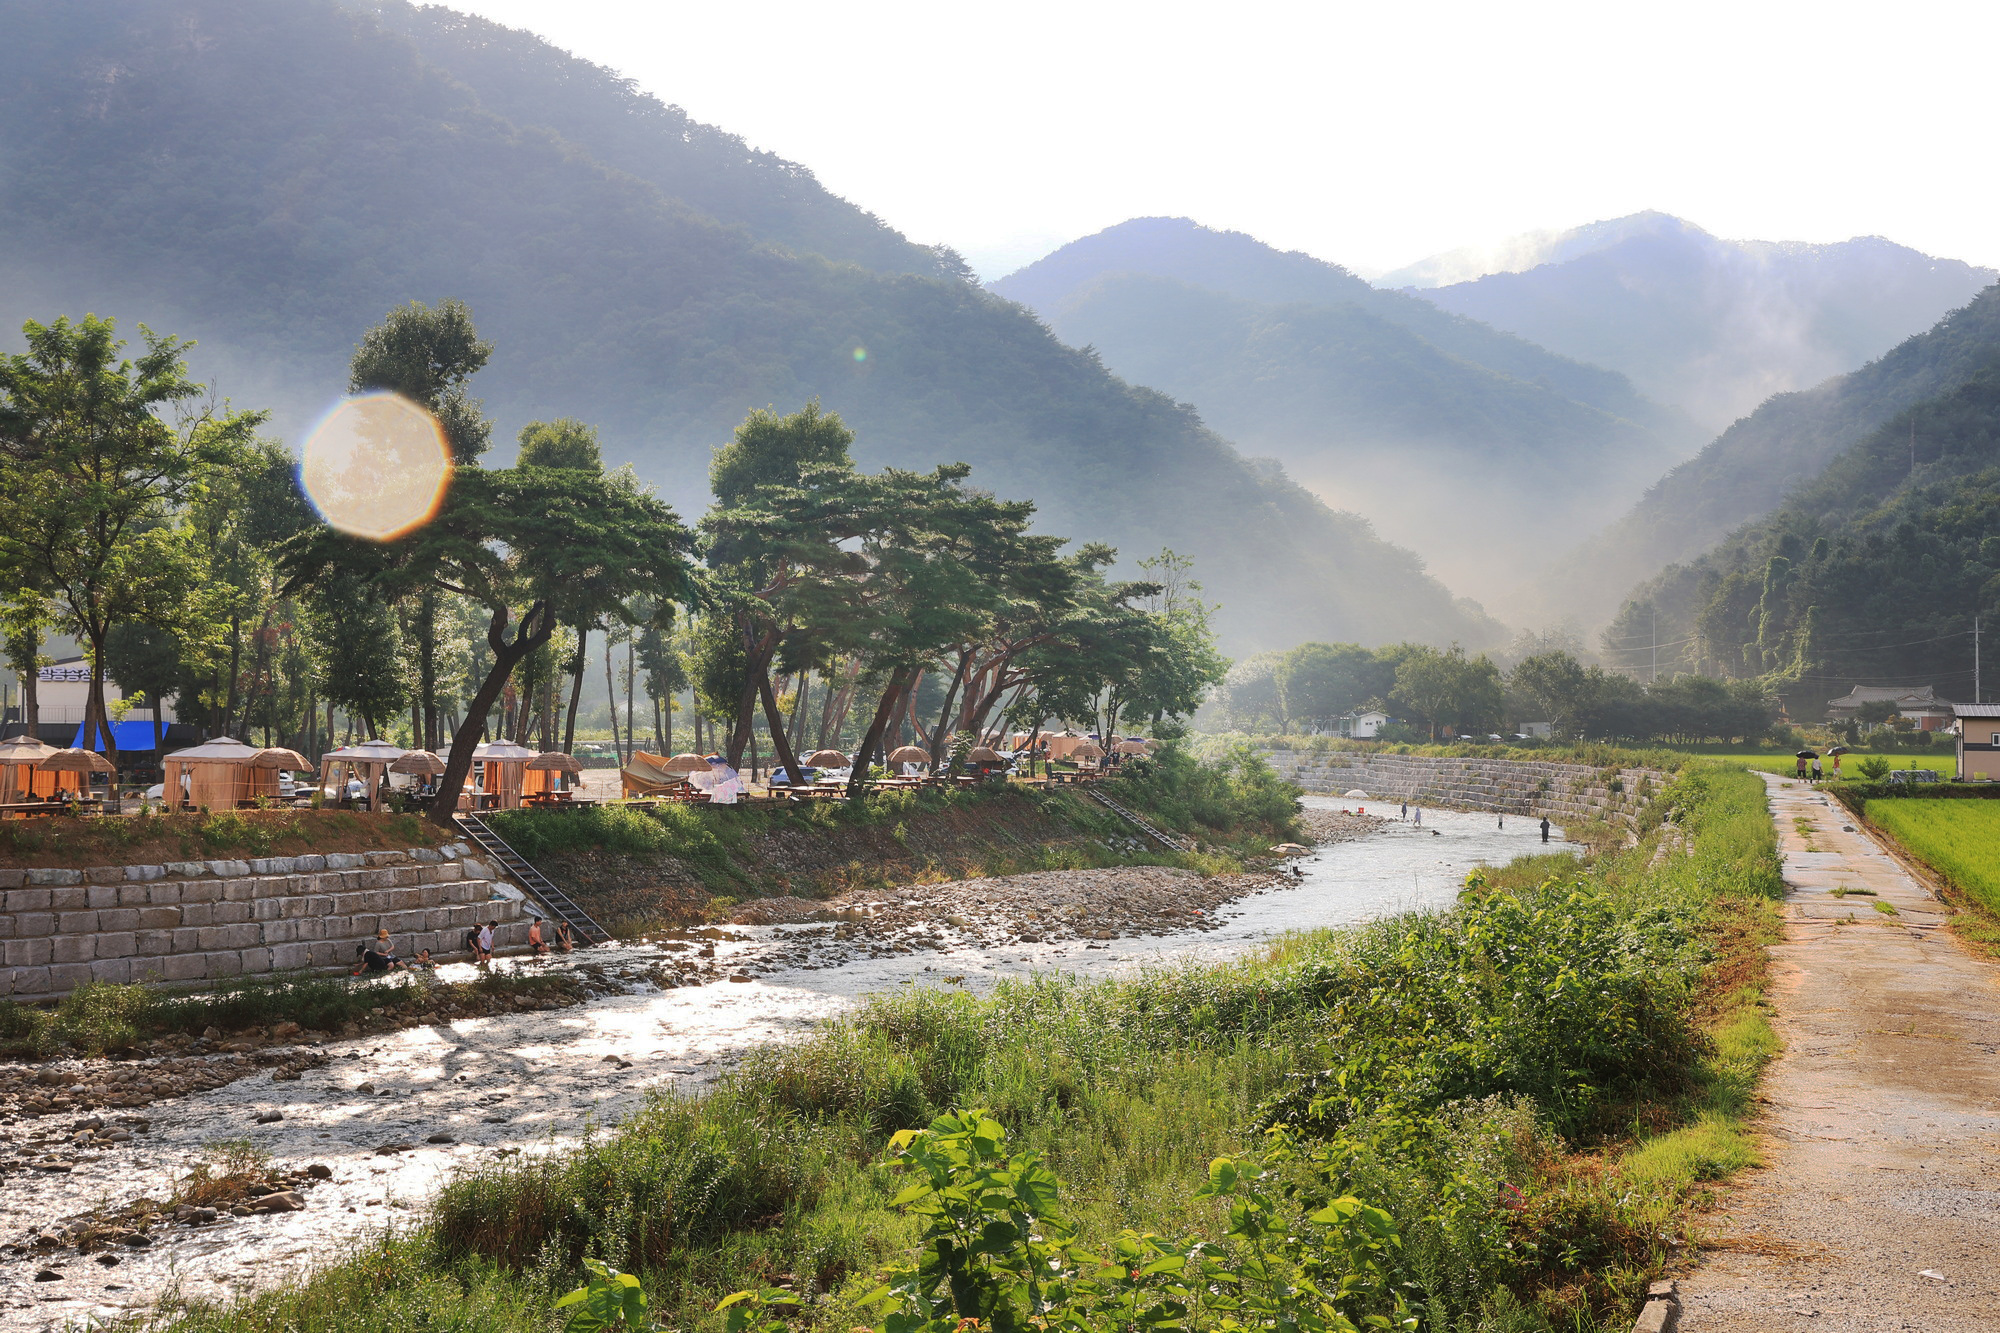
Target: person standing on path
1503, 819
1420, 816
485, 944
1801, 768
1545, 828
1406, 811
1816, 770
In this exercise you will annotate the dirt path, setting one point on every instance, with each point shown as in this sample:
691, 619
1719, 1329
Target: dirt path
1880, 1204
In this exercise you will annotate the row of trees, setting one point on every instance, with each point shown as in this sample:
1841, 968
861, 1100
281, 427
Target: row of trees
1433, 690
174, 543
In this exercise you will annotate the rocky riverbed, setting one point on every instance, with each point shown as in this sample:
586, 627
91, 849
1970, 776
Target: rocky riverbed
337, 1135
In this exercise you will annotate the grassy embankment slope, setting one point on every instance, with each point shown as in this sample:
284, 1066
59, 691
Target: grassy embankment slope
638, 869
1538, 1085
151, 839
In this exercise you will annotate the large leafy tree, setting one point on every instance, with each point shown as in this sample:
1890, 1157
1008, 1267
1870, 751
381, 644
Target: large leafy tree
525, 545
428, 354
96, 470
1447, 688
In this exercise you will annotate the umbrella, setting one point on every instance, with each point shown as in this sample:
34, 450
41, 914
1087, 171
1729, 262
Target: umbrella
686, 763
986, 754
1806, 754
419, 763
1088, 750
24, 750
1356, 794
555, 761
1134, 747
1839, 749
76, 761
909, 754
827, 759
278, 757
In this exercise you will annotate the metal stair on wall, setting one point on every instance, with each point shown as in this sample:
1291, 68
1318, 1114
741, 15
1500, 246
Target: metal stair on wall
559, 904
1141, 823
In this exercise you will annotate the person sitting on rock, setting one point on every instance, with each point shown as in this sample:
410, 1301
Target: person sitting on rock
536, 946
372, 961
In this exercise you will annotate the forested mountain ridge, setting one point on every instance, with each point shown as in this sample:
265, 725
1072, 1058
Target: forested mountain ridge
1871, 573
519, 76
270, 176
1781, 447
1716, 326
1376, 400
1240, 265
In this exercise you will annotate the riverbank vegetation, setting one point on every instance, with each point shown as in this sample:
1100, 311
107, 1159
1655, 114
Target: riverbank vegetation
1539, 1088
105, 1018
641, 868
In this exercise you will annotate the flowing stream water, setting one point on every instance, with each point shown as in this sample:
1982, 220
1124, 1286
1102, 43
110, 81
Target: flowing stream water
530, 1082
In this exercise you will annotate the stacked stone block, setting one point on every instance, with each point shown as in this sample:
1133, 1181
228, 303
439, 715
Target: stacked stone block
1565, 793
202, 920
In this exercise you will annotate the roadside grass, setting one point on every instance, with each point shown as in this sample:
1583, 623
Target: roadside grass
1960, 840
103, 1018
1541, 1085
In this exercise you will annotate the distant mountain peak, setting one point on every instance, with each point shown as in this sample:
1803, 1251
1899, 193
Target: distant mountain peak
1180, 248
1532, 249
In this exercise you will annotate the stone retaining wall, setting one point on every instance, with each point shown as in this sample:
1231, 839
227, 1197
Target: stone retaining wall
201, 920
1565, 793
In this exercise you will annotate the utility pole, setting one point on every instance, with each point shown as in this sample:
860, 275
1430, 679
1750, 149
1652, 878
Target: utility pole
1976, 696
1653, 672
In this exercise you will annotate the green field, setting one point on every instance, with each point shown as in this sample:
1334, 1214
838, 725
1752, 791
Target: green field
1944, 761
1958, 839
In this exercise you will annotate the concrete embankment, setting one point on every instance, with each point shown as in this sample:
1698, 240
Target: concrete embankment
202, 920
1567, 794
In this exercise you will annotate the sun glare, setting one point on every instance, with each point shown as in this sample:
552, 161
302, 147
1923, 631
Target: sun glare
376, 466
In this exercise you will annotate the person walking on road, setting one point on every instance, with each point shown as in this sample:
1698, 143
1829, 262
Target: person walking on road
1816, 770
1420, 816
1406, 811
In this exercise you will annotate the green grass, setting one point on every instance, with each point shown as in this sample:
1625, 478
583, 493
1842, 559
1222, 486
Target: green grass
1444, 1066
1958, 839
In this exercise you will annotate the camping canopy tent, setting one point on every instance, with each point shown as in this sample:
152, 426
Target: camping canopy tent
647, 774
21, 775
217, 774
502, 766
131, 736
368, 761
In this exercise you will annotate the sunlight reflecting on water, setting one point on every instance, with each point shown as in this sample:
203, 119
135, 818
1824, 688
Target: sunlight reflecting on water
376, 466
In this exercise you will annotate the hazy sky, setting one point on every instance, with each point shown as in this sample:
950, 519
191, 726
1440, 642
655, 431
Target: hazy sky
1369, 134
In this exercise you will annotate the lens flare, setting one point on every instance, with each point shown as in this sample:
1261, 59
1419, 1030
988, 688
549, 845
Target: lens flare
861, 354
376, 466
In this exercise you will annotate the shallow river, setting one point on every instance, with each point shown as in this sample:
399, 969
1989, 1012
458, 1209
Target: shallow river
526, 1082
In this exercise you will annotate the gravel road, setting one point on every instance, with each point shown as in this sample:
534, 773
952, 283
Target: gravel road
1880, 1204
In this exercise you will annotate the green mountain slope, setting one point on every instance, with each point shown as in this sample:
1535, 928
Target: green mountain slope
270, 176
1872, 573
1751, 467
1376, 400
519, 76
1711, 325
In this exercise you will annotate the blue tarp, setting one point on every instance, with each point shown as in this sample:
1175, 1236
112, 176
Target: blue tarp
129, 735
